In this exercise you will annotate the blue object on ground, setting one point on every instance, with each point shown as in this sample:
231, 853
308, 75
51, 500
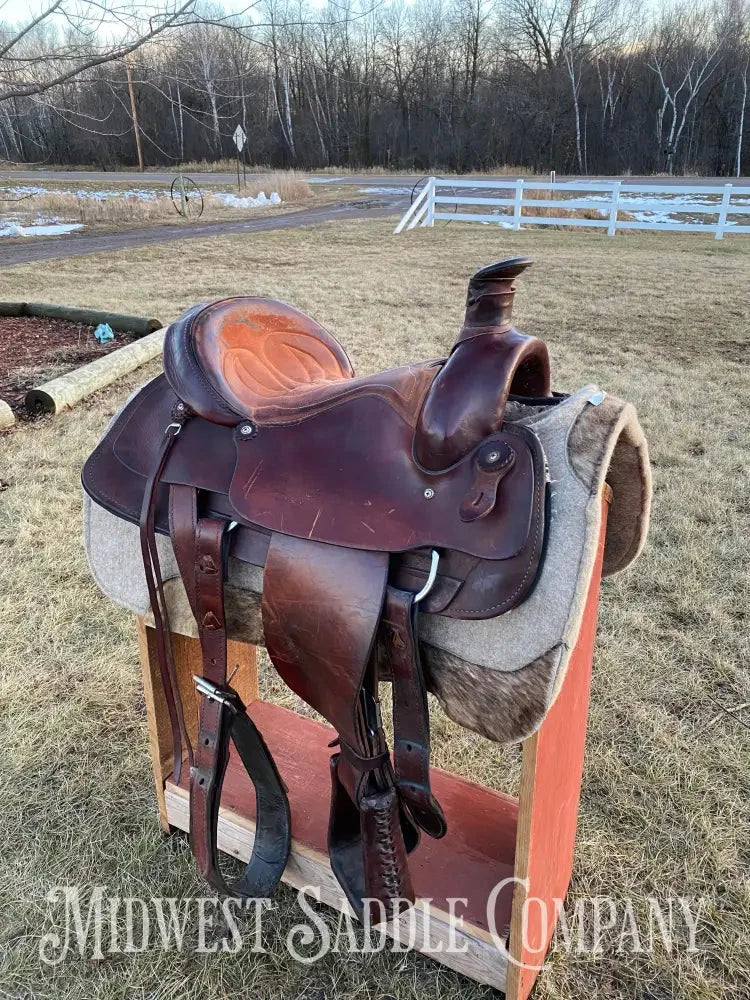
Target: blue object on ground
104, 332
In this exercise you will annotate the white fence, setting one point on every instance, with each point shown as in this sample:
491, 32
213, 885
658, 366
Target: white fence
606, 197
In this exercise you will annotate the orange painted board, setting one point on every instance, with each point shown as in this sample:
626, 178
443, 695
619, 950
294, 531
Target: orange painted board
477, 852
549, 798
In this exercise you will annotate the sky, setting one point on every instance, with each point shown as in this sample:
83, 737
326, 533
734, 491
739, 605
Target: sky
17, 11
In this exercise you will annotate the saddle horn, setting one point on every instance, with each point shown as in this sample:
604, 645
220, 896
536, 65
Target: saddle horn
489, 361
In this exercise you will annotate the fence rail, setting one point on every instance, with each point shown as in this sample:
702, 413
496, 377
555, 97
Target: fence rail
426, 209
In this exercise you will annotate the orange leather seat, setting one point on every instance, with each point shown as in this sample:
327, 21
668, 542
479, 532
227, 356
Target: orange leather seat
265, 360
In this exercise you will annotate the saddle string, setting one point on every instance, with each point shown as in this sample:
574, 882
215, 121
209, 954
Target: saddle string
154, 584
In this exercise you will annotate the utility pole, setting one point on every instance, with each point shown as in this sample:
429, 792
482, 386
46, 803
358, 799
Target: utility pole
135, 115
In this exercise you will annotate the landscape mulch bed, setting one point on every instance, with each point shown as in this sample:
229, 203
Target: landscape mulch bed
35, 349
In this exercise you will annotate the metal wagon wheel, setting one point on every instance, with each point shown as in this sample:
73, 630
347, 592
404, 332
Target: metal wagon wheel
416, 190
186, 197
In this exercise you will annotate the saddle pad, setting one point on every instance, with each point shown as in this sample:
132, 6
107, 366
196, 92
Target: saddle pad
497, 676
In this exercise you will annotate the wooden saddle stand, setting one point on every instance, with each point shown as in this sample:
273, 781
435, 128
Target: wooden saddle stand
365, 505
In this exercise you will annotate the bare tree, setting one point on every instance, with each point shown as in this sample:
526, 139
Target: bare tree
577, 85
741, 123
686, 53
96, 32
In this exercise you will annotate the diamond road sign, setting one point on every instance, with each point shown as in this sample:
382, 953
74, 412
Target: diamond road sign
239, 138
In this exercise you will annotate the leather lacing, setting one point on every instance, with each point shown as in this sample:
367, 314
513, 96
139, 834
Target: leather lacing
390, 870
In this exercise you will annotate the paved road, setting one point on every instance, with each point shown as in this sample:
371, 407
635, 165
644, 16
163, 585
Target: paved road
136, 179
76, 245
361, 180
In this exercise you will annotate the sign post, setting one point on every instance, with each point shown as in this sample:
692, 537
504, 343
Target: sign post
239, 138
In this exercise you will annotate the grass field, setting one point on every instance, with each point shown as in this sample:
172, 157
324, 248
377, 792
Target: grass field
659, 319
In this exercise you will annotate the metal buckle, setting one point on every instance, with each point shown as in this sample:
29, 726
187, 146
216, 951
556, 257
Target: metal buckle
213, 692
430, 579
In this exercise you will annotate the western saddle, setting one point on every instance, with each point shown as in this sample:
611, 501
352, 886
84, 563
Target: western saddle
364, 499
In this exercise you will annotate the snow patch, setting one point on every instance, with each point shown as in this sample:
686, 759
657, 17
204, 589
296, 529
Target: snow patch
678, 209
43, 229
234, 202
100, 194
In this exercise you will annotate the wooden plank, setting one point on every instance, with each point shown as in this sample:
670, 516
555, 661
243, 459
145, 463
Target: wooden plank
672, 227
477, 851
472, 217
413, 208
476, 854
548, 804
464, 948
570, 220
242, 661
157, 717
461, 200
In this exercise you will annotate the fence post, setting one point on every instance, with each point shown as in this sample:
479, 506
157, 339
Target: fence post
430, 217
414, 212
614, 205
517, 204
723, 212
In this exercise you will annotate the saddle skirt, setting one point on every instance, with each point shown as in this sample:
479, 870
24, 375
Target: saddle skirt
434, 525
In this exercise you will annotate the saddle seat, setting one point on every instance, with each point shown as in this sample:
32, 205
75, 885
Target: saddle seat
258, 358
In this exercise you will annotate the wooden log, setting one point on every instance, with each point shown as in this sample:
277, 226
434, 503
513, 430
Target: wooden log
67, 390
140, 325
92, 317
13, 309
7, 416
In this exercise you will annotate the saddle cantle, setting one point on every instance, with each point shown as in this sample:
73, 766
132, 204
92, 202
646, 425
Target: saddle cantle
363, 498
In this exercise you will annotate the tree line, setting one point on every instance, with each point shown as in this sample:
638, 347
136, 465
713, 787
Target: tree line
578, 86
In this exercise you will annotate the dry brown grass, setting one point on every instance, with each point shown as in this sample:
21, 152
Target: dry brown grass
290, 185
544, 212
541, 211
501, 169
230, 166
225, 165
660, 319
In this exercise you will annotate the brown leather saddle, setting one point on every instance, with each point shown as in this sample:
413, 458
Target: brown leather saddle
364, 499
